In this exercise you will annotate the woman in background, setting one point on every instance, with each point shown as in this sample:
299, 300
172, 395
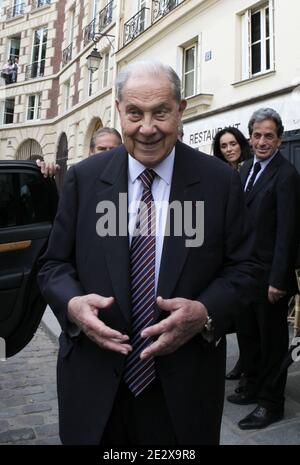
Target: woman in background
231, 146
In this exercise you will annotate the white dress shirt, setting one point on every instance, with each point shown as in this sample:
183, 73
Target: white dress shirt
161, 187
263, 164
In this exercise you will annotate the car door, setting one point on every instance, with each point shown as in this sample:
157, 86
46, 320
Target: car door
28, 204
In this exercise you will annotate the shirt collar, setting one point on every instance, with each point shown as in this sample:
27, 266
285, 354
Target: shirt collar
264, 163
164, 169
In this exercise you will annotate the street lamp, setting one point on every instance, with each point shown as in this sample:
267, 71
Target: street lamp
95, 57
93, 60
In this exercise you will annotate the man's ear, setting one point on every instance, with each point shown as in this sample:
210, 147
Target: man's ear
182, 106
118, 105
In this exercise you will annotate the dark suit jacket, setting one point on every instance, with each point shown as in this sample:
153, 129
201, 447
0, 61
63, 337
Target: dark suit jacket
274, 208
220, 274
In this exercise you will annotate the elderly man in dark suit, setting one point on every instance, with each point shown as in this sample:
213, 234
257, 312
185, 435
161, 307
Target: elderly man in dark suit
145, 294
271, 187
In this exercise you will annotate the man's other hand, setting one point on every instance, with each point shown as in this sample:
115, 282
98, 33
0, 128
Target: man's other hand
83, 311
275, 294
48, 169
186, 319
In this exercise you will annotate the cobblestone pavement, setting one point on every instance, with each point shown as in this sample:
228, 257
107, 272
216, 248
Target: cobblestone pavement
28, 400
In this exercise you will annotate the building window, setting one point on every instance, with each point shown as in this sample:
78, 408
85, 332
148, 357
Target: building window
67, 87
37, 67
142, 4
258, 45
14, 48
189, 70
40, 3
34, 107
17, 9
7, 107
105, 69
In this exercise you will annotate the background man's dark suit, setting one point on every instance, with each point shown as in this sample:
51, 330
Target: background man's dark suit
219, 274
263, 336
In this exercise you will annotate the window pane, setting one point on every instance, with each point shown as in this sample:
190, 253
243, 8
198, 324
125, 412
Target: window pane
267, 23
9, 111
256, 58
268, 63
190, 59
255, 27
189, 85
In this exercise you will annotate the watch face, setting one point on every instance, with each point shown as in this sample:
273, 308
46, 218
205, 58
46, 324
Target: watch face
209, 324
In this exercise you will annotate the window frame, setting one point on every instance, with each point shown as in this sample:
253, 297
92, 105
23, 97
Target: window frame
185, 49
37, 107
4, 112
247, 43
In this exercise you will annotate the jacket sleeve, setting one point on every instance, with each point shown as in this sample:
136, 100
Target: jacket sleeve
236, 284
287, 232
57, 277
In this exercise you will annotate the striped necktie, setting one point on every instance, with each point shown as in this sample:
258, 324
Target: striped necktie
140, 373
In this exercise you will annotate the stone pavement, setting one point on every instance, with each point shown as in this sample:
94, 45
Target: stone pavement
28, 401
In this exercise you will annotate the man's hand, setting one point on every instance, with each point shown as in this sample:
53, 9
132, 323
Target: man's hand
48, 169
83, 311
275, 294
187, 318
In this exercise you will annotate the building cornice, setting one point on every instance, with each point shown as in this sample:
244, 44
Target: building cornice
242, 103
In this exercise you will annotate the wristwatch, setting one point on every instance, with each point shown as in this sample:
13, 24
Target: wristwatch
208, 330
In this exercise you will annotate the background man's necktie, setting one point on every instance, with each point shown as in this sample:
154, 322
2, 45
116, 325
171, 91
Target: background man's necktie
140, 373
256, 169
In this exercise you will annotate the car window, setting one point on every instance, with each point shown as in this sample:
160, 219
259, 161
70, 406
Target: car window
24, 199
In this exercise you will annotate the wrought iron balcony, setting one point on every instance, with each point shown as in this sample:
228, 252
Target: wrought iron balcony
105, 16
15, 11
89, 32
135, 25
38, 3
67, 55
35, 70
161, 8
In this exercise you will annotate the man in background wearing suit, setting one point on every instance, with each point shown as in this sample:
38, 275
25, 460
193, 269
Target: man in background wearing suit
138, 306
271, 187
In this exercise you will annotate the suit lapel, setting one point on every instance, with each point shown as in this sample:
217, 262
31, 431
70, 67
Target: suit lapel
175, 252
245, 170
265, 177
114, 181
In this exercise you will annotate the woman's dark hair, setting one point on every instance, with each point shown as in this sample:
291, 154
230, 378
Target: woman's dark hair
241, 140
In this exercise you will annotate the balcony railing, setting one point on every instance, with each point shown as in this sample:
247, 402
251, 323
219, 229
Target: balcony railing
135, 25
89, 32
15, 11
35, 70
67, 55
38, 3
161, 8
105, 16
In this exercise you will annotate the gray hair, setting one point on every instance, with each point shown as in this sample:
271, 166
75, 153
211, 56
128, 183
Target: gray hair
154, 68
100, 132
266, 113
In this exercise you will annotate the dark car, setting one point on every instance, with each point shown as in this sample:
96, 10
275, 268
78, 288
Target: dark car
28, 204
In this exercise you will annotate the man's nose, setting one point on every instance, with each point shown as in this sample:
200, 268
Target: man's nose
262, 139
147, 127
